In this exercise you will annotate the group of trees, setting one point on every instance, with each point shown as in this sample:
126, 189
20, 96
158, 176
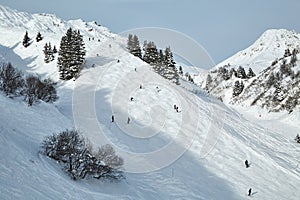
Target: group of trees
27, 40
49, 52
238, 73
224, 73
75, 154
32, 88
162, 61
71, 55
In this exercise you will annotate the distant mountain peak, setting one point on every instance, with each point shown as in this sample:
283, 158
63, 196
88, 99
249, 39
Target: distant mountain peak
273, 57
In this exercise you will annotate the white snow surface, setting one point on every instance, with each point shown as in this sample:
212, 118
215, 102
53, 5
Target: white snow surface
235, 134
268, 47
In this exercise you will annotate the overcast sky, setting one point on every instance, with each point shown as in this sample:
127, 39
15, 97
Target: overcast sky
222, 27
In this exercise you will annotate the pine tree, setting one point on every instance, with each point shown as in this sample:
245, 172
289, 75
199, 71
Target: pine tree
208, 82
169, 71
287, 53
180, 70
38, 37
71, 55
240, 73
26, 40
48, 52
237, 88
79, 54
158, 67
151, 54
250, 73
223, 72
54, 49
294, 58
136, 49
130, 42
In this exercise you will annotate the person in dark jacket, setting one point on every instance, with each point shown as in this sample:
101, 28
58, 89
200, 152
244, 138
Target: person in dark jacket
128, 120
247, 164
249, 192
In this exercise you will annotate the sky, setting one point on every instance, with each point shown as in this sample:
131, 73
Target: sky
221, 27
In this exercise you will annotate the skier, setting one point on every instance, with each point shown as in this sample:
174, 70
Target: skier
247, 164
128, 120
118, 61
131, 98
112, 118
141, 87
175, 106
249, 192
134, 69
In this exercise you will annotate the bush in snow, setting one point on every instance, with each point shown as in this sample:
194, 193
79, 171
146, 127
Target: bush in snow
71, 150
107, 154
37, 89
11, 80
32, 88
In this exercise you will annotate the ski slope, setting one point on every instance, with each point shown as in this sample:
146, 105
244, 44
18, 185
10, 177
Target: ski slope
196, 153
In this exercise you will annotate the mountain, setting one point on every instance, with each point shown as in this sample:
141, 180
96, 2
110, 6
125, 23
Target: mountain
273, 82
195, 153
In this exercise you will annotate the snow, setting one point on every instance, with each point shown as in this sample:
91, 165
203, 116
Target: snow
197, 153
268, 47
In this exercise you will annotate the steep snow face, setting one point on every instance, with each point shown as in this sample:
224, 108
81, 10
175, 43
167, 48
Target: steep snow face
104, 88
267, 48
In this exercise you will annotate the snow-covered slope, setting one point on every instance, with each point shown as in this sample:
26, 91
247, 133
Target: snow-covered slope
217, 139
273, 58
268, 47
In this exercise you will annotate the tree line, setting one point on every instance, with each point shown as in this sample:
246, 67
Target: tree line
161, 60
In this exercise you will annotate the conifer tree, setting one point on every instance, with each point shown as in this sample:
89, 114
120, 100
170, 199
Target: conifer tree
241, 72
169, 71
294, 58
250, 73
54, 49
180, 70
48, 52
71, 55
136, 49
151, 54
237, 88
130, 42
38, 37
26, 40
158, 67
208, 82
